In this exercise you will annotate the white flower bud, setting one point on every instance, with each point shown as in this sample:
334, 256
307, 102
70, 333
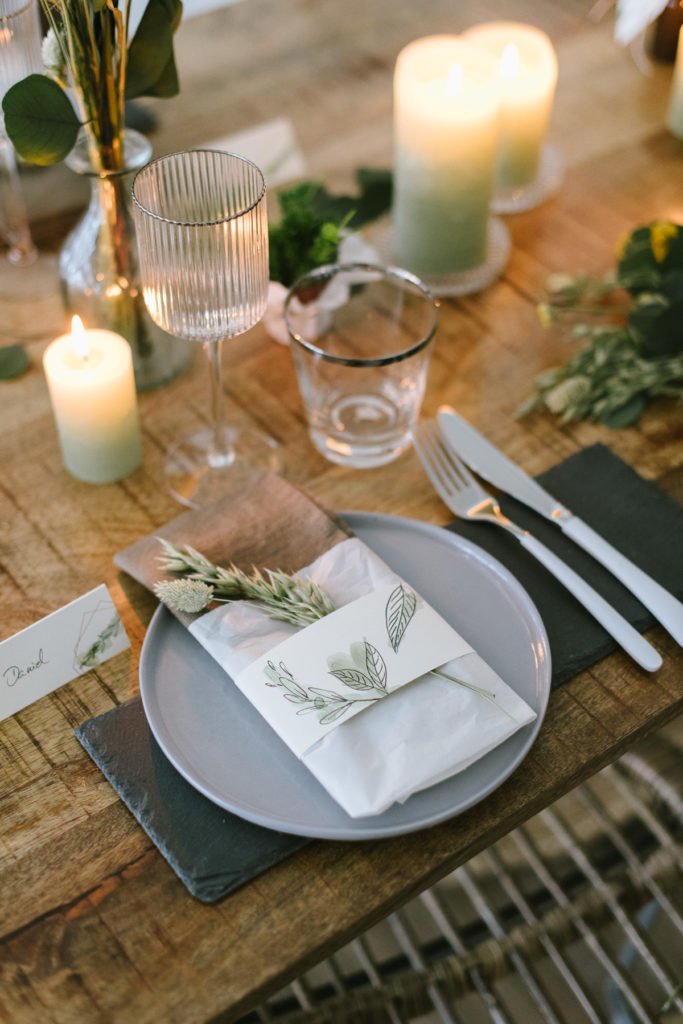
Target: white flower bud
53, 57
184, 595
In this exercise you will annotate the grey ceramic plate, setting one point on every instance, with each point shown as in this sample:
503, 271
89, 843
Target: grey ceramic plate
223, 747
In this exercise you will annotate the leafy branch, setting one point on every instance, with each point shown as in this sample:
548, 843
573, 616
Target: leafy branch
633, 348
313, 220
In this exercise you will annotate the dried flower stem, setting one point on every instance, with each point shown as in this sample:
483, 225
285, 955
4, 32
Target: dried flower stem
284, 597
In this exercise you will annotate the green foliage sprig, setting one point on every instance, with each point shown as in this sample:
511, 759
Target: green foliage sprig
87, 51
312, 222
94, 654
634, 350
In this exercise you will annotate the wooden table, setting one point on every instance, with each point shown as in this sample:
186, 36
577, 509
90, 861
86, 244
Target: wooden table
95, 925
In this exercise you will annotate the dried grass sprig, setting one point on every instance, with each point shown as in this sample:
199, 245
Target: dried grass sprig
282, 596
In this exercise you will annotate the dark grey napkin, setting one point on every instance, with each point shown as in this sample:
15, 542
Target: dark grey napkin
213, 852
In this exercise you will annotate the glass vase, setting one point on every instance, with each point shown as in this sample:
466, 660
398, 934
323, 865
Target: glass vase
98, 267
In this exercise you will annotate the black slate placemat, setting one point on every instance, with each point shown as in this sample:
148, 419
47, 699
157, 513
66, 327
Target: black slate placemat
213, 852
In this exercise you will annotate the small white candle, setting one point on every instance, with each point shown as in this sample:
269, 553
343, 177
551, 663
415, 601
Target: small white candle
527, 68
92, 389
445, 123
674, 118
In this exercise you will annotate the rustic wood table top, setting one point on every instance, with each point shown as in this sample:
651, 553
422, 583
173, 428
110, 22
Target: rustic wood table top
94, 924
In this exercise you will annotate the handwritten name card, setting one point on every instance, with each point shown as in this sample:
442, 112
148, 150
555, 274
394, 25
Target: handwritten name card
59, 648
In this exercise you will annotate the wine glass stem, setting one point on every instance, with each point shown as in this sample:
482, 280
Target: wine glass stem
222, 452
13, 217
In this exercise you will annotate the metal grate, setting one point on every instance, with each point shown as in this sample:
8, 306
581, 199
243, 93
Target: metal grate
574, 918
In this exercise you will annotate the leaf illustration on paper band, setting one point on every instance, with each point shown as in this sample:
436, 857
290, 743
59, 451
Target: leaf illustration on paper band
375, 666
399, 611
327, 694
329, 704
283, 677
296, 698
352, 677
294, 689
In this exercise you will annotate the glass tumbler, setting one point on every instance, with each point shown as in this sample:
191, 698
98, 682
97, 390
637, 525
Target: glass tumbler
361, 338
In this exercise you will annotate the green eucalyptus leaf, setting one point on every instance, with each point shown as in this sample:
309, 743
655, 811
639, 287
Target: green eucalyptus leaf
626, 415
151, 68
14, 360
40, 120
167, 85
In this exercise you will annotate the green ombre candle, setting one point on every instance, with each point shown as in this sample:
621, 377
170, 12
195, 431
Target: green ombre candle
527, 69
445, 125
92, 389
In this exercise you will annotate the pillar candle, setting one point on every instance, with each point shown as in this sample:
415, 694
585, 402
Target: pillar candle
527, 68
92, 389
445, 120
674, 117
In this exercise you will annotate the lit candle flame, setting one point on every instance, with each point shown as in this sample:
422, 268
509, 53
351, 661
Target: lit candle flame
454, 81
79, 338
509, 61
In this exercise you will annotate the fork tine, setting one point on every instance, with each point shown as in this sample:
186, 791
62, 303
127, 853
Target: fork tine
456, 468
424, 446
450, 468
459, 466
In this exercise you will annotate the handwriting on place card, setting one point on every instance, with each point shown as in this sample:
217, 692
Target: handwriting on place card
59, 648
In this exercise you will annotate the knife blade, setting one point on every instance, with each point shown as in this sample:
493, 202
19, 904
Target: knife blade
485, 459
489, 462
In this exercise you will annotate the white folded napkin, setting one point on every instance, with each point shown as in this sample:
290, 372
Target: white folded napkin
419, 735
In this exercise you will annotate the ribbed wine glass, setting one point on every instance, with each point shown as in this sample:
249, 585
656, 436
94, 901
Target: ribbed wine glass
202, 235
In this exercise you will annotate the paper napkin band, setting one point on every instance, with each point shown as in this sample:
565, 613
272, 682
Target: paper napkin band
340, 666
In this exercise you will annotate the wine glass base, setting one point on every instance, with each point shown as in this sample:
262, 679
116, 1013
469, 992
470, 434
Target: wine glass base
547, 183
30, 301
194, 482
